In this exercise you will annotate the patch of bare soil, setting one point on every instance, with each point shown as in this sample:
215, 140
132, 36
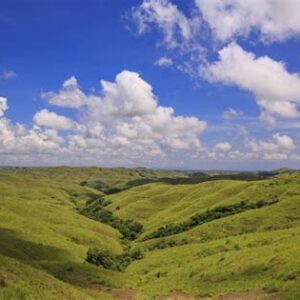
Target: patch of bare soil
177, 295
249, 295
122, 294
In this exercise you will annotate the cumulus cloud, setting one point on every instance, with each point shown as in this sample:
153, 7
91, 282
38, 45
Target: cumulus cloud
231, 114
167, 17
129, 115
52, 120
276, 90
128, 96
122, 125
279, 147
194, 33
179, 31
222, 147
70, 96
226, 20
18, 143
220, 151
273, 20
16, 140
164, 62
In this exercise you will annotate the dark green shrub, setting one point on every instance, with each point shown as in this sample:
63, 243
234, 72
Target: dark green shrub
110, 261
137, 254
101, 258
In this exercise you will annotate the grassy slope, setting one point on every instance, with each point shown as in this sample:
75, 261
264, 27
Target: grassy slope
258, 261
44, 240
249, 251
42, 234
157, 204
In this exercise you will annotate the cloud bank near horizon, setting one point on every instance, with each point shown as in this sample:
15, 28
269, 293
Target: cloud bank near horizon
124, 124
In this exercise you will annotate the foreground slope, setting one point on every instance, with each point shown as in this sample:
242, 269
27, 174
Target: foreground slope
41, 232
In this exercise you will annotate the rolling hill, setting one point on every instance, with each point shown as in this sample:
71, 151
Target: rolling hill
203, 236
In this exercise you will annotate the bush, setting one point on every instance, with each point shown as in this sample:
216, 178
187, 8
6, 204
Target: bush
110, 261
101, 258
137, 254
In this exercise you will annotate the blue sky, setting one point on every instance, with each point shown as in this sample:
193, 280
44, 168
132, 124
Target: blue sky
188, 84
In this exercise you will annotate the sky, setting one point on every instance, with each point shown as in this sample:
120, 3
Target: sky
175, 84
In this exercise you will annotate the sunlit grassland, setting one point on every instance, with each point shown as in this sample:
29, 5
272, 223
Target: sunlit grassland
45, 238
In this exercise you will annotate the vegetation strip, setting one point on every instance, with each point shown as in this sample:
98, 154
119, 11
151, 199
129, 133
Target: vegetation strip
95, 210
208, 216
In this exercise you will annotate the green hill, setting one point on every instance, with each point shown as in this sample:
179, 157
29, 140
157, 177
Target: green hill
204, 236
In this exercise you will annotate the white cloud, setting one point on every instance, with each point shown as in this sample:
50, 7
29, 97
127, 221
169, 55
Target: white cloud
123, 125
179, 31
276, 90
164, 62
166, 16
271, 20
280, 147
284, 141
128, 96
224, 20
191, 35
222, 147
220, 151
8, 75
231, 114
69, 96
16, 140
128, 113
3, 106
52, 120
274, 20
18, 143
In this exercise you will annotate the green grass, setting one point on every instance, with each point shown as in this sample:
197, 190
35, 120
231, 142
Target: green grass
40, 225
253, 261
44, 239
226, 255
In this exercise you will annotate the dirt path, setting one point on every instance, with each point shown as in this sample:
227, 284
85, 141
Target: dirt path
177, 295
249, 295
122, 294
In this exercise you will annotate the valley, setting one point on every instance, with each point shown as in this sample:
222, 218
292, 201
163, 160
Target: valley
151, 234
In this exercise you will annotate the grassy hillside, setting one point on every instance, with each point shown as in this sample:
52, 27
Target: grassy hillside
40, 227
253, 252
250, 253
44, 239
